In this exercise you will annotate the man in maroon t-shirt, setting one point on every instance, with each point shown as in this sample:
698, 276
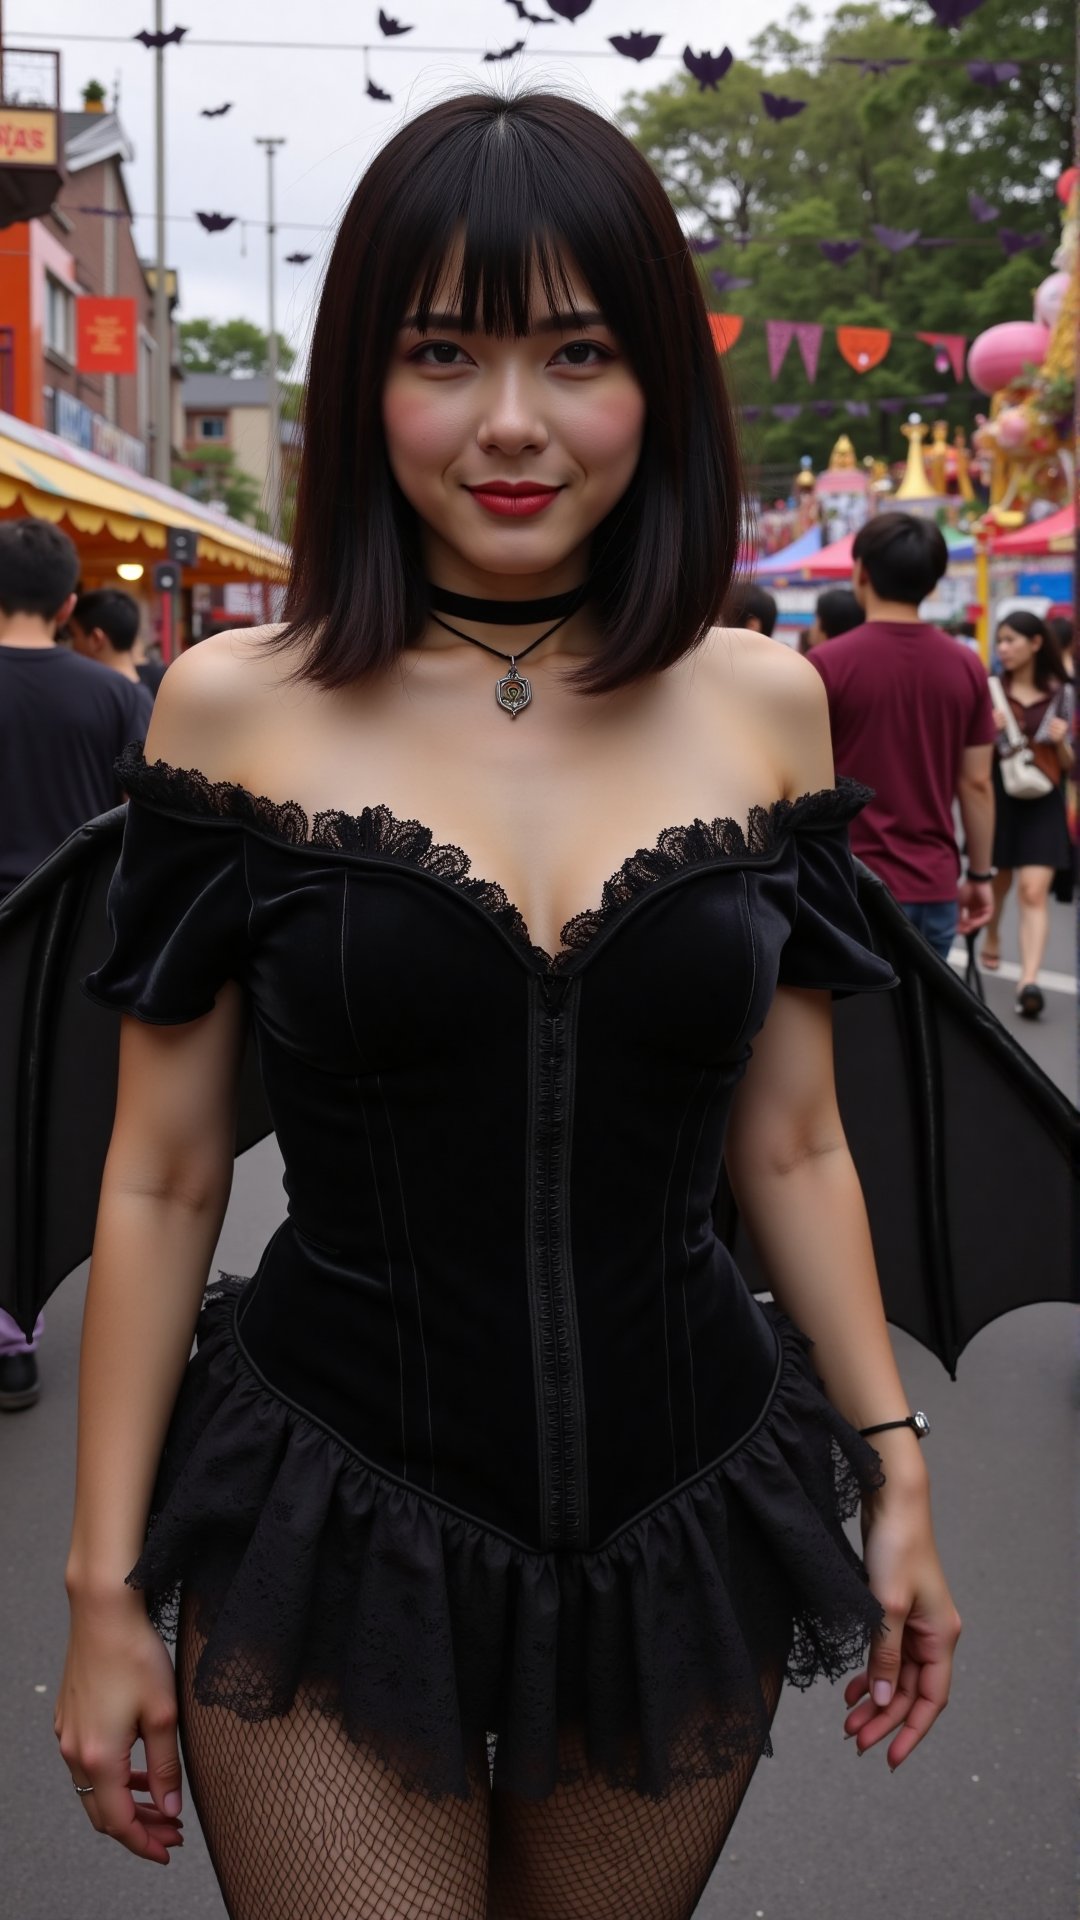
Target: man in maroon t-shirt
911, 717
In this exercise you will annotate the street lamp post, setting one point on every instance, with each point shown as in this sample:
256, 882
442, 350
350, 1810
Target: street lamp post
273, 463
162, 353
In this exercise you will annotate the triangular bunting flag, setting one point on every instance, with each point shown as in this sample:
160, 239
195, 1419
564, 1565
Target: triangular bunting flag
726, 328
863, 347
779, 335
953, 345
808, 334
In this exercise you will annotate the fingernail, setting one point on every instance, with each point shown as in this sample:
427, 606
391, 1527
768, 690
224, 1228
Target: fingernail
882, 1692
172, 1803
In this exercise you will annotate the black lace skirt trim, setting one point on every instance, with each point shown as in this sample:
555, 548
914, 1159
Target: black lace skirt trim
315, 1575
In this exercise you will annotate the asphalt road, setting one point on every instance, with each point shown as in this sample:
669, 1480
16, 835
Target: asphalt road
977, 1822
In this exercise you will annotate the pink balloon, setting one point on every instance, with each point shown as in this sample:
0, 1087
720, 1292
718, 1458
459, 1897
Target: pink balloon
998, 356
1048, 298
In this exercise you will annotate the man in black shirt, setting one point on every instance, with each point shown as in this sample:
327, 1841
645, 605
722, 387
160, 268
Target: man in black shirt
104, 627
63, 720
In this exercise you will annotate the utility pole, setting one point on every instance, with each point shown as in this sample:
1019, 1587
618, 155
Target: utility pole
162, 356
273, 462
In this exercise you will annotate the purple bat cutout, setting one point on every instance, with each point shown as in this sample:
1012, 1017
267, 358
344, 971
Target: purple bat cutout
707, 244
569, 9
297, 259
751, 413
840, 251
891, 406
215, 222
1014, 242
635, 46
865, 66
215, 113
823, 408
785, 411
506, 53
939, 241
535, 19
858, 409
376, 93
895, 238
951, 13
708, 69
992, 73
931, 399
741, 239
727, 282
779, 107
981, 209
174, 37
389, 26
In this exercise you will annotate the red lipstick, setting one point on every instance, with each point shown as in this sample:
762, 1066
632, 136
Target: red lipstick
514, 498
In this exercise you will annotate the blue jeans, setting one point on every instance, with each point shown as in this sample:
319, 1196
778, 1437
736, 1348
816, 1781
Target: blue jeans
936, 921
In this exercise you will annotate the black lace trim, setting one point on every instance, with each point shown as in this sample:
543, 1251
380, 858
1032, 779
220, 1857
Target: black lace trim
377, 830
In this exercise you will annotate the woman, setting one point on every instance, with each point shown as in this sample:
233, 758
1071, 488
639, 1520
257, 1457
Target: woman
1031, 837
498, 1506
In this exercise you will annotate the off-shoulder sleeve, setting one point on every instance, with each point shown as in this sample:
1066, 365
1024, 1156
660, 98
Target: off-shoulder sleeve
178, 911
830, 945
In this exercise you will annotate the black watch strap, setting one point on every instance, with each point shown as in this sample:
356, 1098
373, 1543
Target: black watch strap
918, 1423
980, 879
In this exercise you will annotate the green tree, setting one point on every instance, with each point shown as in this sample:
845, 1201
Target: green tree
229, 346
212, 474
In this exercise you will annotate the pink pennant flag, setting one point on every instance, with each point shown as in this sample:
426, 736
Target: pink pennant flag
951, 345
779, 335
808, 334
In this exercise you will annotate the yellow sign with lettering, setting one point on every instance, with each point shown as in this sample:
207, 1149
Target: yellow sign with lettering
27, 137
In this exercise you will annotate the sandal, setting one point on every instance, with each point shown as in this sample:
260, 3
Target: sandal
1030, 1002
990, 958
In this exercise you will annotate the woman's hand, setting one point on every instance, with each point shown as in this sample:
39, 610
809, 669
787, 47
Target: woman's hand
117, 1686
910, 1667
1057, 729
1000, 720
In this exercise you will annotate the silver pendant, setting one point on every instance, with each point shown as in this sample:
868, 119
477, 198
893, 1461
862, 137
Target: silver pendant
513, 691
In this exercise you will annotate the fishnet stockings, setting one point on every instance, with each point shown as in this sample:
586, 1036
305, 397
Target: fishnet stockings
302, 1824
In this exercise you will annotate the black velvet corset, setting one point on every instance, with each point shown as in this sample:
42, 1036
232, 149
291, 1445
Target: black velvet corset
498, 1281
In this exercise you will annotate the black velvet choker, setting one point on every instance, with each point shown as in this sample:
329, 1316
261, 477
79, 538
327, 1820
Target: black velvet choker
507, 613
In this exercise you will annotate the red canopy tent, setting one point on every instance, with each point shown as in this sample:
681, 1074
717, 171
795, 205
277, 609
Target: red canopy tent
1055, 534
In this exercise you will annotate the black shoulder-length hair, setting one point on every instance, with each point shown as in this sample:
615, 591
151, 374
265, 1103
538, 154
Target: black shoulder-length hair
1047, 665
532, 178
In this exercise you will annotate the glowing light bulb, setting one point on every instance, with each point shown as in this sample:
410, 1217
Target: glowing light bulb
130, 570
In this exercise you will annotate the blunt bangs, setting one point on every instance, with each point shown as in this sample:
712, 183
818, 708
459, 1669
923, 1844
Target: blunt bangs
459, 210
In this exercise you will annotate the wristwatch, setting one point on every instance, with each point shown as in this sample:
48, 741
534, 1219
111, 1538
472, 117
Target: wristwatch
980, 879
918, 1423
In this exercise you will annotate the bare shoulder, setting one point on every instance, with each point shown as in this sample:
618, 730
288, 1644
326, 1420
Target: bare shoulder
782, 693
209, 697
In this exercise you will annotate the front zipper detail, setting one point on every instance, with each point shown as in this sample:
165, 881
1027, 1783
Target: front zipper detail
556, 1346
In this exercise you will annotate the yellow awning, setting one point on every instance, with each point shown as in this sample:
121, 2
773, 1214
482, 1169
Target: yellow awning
38, 473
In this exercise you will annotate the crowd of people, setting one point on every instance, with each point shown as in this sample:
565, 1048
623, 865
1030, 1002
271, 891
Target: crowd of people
913, 714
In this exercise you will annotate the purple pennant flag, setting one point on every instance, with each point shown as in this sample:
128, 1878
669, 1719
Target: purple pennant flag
1014, 242
823, 408
779, 107
891, 406
859, 409
725, 282
840, 251
980, 209
951, 13
785, 411
808, 339
707, 243
751, 413
895, 239
779, 335
992, 73
708, 69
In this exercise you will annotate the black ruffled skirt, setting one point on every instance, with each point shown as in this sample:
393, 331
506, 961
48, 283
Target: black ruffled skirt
316, 1574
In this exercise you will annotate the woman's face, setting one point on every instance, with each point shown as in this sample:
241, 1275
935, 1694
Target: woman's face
560, 410
1014, 649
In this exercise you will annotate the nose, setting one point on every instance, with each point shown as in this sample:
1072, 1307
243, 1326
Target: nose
511, 420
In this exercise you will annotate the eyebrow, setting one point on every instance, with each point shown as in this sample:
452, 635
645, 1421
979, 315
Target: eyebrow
555, 323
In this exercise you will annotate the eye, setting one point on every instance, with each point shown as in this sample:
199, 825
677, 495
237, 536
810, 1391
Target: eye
586, 346
443, 350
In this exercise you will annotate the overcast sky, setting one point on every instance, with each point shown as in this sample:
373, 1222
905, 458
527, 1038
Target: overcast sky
316, 99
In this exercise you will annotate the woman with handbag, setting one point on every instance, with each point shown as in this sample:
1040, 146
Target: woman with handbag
1033, 707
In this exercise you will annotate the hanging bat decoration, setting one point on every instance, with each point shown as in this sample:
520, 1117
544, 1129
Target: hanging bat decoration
1014, 242
779, 107
980, 209
215, 113
992, 73
506, 53
635, 46
534, 19
389, 26
708, 243
865, 67
786, 410
727, 282
952, 13
708, 69
894, 239
569, 9
858, 409
297, 259
174, 36
823, 408
376, 93
215, 222
840, 251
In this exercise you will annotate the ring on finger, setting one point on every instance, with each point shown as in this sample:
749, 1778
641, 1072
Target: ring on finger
79, 1789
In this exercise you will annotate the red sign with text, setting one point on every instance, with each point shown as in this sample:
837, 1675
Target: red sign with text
107, 335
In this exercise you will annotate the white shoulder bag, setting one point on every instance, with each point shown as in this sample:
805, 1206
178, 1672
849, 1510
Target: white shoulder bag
1021, 777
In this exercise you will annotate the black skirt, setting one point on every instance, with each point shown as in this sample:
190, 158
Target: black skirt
1030, 833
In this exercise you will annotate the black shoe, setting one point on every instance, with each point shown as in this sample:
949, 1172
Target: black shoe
19, 1385
1030, 1002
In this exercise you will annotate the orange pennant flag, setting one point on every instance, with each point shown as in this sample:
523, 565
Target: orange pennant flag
863, 347
726, 328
